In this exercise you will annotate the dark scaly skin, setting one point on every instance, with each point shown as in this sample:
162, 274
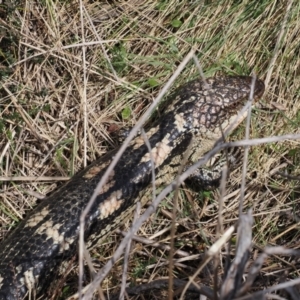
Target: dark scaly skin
49, 234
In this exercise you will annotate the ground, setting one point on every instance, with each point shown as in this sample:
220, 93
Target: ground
73, 73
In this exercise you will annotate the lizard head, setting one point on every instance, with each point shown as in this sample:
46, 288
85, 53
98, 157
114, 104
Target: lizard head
211, 106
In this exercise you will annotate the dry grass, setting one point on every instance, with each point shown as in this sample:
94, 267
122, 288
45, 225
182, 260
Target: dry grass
64, 94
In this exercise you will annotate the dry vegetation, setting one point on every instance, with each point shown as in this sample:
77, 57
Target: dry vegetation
72, 75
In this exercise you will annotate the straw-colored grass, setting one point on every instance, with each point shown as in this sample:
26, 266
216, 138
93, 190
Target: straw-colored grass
73, 74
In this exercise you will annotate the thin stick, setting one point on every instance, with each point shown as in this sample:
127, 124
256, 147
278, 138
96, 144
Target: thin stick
158, 245
84, 103
277, 287
102, 46
220, 228
33, 178
85, 125
127, 253
173, 223
279, 42
120, 152
93, 43
5, 148
246, 149
146, 140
